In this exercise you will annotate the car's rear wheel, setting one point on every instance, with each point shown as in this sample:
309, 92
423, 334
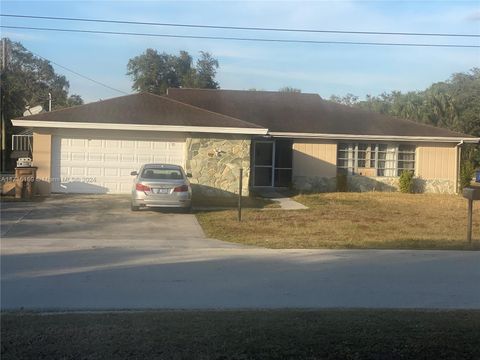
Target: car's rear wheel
134, 208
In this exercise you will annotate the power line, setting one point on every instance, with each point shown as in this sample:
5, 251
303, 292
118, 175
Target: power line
238, 27
78, 74
240, 38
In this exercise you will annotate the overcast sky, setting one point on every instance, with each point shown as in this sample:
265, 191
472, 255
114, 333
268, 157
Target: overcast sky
322, 69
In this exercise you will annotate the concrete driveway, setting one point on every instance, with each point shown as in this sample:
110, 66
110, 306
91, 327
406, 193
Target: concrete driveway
93, 253
97, 219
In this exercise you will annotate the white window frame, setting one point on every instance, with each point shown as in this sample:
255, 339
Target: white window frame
391, 160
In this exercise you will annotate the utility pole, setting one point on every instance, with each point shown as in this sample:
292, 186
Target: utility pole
4, 47
4, 141
49, 102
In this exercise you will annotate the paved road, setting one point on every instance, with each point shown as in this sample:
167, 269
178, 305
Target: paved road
170, 264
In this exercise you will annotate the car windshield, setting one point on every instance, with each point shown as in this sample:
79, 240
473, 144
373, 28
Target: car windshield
162, 174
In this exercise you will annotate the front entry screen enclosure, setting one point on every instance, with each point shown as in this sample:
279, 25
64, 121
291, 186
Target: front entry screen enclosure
272, 162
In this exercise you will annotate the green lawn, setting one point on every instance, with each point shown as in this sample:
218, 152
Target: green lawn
352, 220
282, 334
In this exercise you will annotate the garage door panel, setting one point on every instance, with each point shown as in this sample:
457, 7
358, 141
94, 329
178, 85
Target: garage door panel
78, 171
126, 172
144, 144
97, 165
111, 157
111, 172
95, 143
130, 158
128, 144
95, 157
77, 156
112, 143
126, 188
144, 159
82, 188
160, 146
77, 142
94, 171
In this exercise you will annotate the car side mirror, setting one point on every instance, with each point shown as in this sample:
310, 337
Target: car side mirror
189, 175
134, 173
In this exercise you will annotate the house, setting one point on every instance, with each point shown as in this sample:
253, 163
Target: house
279, 139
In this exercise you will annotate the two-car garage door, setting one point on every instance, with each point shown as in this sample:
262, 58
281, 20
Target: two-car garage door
103, 165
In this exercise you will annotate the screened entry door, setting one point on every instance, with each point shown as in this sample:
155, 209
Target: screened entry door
272, 160
263, 163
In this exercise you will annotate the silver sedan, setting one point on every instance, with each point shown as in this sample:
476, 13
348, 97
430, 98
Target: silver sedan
161, 185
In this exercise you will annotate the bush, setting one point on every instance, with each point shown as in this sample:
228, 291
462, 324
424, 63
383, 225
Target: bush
342, 184
406, 182
467, 171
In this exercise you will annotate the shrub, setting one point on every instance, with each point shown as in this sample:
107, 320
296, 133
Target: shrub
342, 184
467, 172
406, 182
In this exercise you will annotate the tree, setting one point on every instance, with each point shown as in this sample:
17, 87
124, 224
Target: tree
289, 89
26, 80
74, 100
349, 99
155, 72
206, 70
453, 104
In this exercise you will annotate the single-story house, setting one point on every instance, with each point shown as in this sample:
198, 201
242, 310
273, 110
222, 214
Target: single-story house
279, 139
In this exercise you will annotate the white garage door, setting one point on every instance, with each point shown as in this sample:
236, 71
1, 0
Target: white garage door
100, 165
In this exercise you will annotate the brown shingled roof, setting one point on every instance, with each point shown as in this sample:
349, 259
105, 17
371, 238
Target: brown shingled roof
275, 111
142, 108
303, 113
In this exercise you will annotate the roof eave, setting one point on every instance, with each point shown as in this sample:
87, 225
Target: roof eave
138, 127
444, 139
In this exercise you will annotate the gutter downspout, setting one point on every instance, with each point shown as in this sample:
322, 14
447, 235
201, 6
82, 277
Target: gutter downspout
459, 160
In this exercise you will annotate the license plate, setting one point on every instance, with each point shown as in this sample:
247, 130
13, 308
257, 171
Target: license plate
160, 191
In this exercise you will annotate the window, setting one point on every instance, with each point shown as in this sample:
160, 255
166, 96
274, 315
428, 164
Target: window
161, 174
283, 163
406, 158
366, 155
345, 158
375, 159
386, 160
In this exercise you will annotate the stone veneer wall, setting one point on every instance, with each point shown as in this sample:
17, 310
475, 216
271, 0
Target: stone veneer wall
214, 163
364, 183
315, 183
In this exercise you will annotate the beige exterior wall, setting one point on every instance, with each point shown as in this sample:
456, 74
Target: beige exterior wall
437, 161
314, 168
314, 158
42, 158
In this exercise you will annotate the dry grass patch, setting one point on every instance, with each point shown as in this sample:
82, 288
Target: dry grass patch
230, 202
352, 220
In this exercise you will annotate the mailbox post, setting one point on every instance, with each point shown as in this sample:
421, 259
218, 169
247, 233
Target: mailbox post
240, 186
25, 181
470, 194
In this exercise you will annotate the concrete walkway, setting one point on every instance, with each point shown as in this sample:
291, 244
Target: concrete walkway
285, 202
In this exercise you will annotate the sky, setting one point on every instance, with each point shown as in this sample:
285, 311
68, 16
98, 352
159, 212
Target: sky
314, 68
